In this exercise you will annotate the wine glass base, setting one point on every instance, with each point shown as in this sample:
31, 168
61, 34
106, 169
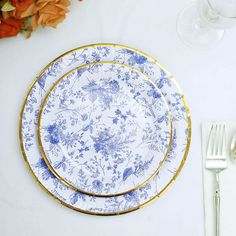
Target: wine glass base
194, 31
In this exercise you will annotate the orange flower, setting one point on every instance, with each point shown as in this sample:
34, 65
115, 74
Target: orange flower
19, 13
51, 12
22, 5
10, 27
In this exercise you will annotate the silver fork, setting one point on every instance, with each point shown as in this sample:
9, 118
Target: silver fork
216, 162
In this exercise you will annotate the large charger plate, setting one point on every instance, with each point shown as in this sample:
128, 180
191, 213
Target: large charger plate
95, 129
180, 118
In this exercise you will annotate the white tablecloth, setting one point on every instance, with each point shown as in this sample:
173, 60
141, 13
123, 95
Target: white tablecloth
207, 78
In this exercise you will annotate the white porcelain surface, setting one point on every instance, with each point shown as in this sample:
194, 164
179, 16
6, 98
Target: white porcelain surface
105, 129
163, 81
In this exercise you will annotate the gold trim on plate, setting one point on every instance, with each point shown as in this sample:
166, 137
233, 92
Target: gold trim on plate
168, 184
42, 151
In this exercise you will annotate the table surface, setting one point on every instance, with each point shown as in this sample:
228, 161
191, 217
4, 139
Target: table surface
207, 79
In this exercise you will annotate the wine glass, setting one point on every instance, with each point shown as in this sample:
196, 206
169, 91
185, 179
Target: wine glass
202, 24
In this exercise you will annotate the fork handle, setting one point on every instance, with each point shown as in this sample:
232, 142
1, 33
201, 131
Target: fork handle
217, 214
217, 205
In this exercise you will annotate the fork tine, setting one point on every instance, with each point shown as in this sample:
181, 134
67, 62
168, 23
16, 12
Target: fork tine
219, 137
216, 140
216, 151
210, 142
223, 144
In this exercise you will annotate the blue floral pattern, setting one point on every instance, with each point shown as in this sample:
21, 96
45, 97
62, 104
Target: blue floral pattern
106, 128
135, 199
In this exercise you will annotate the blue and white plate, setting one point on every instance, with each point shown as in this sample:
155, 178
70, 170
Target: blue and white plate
104, 129
180, 120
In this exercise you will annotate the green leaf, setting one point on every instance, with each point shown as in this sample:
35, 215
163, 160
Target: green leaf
8, 7
27, 21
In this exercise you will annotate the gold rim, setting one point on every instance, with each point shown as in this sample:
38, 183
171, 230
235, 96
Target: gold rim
167, 185
42, 151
